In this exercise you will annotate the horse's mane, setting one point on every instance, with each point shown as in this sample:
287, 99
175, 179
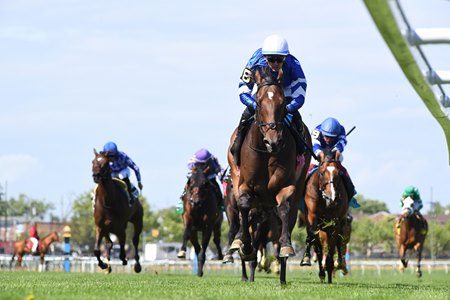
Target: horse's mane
269, 77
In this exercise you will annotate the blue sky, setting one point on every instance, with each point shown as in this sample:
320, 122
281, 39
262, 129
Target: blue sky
160, 79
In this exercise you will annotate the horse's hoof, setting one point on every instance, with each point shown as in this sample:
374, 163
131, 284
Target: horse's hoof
419, 273
236, 245
228, 258
181, 254
306, 261
287, 251
124, 262
404, 263
137, 268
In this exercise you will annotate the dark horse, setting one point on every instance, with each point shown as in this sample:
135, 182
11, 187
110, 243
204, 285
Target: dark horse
270, 175
24, 246
201, 213
410, 233
326, 203
112, 213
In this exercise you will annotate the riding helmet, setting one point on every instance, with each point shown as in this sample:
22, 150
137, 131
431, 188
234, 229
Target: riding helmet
330, 127
411, 191
110, 147
202, 155
275, 45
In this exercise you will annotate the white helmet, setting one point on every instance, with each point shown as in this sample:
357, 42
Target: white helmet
276, 45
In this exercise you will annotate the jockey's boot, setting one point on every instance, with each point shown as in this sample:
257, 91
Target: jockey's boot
240, 135
350, 191
130, 191
219, 196
296, 129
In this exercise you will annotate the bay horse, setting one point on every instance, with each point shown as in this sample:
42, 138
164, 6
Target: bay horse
23, 247
232, 213
326, 202
112, 213
201, 213
410, 232
271, 174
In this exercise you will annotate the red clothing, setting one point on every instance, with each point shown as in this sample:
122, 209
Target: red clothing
33, 232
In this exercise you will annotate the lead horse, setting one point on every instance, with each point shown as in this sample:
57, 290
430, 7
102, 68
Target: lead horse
271, 174
410, 232
112, 213
23, 247
201, 213
326, 202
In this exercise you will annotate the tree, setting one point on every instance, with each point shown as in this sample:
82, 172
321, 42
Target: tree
28, 207
370, 206
83, 227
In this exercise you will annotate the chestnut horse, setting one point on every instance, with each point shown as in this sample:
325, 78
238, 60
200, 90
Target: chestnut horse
201, 213
326, 202
271, 175
410, 232
24, 246
112, 213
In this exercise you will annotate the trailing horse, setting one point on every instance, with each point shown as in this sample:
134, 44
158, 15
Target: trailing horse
232, 213
326, 202
23, 247
201, 213
410, 232
271, 174
112, 213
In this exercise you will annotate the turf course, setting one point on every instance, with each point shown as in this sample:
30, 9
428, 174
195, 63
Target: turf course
220, 285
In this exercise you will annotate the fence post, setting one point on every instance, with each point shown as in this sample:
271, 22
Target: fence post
67, 233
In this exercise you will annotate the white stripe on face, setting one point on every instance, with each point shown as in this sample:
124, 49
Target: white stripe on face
330, 169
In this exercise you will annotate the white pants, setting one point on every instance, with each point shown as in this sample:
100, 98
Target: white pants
35, 244
125, 173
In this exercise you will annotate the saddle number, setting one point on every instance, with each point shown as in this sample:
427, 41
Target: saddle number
315, 134
246, 75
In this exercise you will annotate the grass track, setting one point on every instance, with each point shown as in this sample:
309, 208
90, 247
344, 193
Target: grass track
219, 285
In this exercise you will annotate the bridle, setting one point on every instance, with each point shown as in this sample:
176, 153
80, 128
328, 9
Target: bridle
105, 171
329, 199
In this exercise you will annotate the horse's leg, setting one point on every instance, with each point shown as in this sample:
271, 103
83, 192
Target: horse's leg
19, 260
329, 261
253, 265
98, 240
283, 262
403, 260
136, 235
186, 236
244, 277
216, 239
283, 208
122, 255
108, 247
206, 236
247, 251
234, 227
418, 249
306, 259
319, 252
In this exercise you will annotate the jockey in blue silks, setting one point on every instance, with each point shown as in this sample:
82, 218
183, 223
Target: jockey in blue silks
210, 163
120, 164
330, 135
274, 54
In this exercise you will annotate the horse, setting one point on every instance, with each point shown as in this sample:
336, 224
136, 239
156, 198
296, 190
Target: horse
24, 246
410, 233
271, 174
232, 213
112, 213
326, 202
201, 213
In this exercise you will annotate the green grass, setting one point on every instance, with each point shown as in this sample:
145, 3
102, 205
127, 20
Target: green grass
221, 285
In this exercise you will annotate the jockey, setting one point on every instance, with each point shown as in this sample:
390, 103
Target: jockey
410, 203
204, 158
34, 238
275, 54
330, 135
120, 164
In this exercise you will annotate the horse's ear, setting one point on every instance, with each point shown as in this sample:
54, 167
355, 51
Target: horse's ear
95, 152
337, 154
257, 76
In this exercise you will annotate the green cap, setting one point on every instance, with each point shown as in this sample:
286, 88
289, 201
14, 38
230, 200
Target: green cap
411, 191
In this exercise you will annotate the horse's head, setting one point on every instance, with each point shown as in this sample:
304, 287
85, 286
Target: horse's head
100, 166
270, 108
329, 179
198, 187
407, 207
